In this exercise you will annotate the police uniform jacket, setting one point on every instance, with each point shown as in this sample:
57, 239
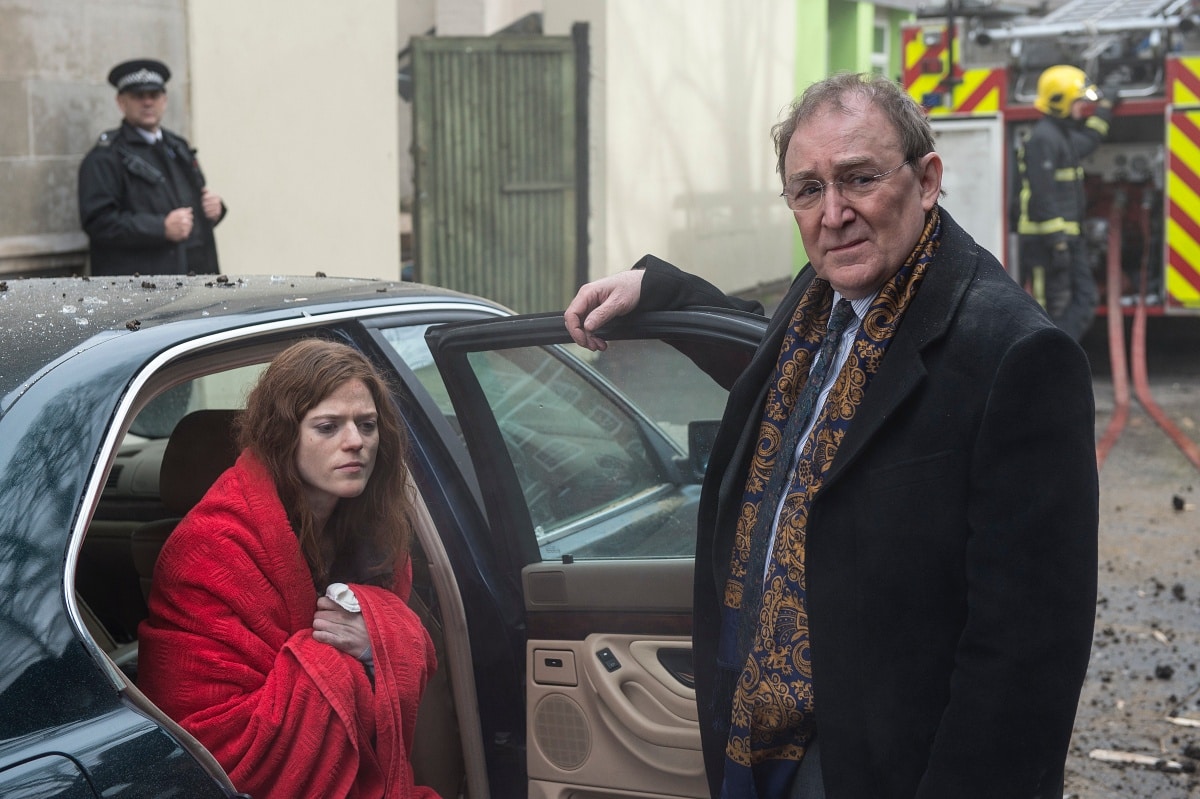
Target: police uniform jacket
951, 552
126, 189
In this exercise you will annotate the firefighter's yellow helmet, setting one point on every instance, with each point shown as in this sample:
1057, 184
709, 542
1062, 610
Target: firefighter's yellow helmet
1059, 87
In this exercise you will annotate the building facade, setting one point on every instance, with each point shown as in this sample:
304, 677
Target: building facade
293, 106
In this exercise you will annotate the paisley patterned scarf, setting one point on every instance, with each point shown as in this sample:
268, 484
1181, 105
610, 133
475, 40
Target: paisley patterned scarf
771, 723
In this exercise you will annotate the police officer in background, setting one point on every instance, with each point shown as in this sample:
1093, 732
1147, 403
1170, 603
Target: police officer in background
1051, 194
142, 198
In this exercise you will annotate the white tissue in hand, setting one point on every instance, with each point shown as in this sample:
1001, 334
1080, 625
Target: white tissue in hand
341, 594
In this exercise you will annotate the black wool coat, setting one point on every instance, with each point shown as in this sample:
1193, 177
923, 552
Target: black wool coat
951, 552
125, 194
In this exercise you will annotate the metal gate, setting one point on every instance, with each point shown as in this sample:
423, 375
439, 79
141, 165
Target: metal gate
496, 140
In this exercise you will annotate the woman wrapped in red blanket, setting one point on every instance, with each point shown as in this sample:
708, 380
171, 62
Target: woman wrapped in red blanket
296, 695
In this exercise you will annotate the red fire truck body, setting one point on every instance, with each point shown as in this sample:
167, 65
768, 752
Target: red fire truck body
975, 68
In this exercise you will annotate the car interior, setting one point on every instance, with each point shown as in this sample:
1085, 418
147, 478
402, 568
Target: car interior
176, 446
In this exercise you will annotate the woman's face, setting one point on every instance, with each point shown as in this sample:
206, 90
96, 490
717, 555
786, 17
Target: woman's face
339, 439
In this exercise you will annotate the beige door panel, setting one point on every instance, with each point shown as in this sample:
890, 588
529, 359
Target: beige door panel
645, 586
558, 790
627, 729
605, 718
643, 699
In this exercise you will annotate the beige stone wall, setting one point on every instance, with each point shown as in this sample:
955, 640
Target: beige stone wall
480, 17
295, 113
54, 102
291, 103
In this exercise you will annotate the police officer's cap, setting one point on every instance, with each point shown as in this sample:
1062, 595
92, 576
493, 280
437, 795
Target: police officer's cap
140, 75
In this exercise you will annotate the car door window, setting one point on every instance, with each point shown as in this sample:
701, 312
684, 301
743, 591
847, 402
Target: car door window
408, 342
580, 456
607, 447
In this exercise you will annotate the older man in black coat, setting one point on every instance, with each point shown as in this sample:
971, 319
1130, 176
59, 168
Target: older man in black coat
922, 602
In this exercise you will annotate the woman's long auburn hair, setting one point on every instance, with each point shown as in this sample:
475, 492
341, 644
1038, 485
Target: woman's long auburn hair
367, 535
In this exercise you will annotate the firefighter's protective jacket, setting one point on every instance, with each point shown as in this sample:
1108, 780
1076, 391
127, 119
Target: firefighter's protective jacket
1050, 192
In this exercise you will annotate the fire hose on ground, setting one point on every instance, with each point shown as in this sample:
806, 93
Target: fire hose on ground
1116, 345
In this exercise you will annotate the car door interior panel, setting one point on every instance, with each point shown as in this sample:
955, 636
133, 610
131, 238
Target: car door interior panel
611, 714
626, 727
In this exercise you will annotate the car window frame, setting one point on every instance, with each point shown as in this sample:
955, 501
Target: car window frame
179, 362
450, 345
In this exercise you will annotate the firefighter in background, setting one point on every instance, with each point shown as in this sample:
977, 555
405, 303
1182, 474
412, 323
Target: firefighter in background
1051, 195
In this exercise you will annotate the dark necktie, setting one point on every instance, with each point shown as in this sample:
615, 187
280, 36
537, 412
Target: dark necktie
781, 472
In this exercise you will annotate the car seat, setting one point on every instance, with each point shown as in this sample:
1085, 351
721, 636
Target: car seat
201, 447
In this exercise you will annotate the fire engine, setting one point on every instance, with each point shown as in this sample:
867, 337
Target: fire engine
975, 65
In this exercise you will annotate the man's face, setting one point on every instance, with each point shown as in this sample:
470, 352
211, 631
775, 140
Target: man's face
143, 109
858, 244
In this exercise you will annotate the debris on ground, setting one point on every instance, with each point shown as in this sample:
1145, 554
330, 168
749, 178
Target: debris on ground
1138, 759
1141, 698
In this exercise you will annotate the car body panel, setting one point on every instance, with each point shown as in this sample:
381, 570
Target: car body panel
44, 320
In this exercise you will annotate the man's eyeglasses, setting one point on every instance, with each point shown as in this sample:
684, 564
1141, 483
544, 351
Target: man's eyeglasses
804, 195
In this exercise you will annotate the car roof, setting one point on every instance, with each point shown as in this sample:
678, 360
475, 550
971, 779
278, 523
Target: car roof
44, 319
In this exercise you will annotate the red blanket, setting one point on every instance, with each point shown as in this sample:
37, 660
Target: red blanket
228, 652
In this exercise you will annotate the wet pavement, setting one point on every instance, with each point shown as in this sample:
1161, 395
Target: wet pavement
1143, 683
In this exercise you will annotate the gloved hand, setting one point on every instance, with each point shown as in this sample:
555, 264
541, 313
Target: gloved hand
1110, 89
1060, 258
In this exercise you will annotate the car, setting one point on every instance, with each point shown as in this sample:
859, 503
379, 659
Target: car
556, 488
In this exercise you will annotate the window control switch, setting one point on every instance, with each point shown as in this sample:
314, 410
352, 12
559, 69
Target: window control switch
608, 660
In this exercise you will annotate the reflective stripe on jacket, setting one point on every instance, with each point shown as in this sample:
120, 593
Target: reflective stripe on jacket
1050, 192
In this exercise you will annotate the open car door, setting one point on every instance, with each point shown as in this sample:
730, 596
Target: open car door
590, 466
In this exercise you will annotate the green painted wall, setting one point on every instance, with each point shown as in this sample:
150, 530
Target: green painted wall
813, 42
834, 36
896, 18
851, 33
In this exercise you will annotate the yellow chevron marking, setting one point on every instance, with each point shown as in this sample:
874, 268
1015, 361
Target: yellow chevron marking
1180, 93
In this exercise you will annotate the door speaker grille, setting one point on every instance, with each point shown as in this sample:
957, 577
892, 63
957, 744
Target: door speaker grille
561, 731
